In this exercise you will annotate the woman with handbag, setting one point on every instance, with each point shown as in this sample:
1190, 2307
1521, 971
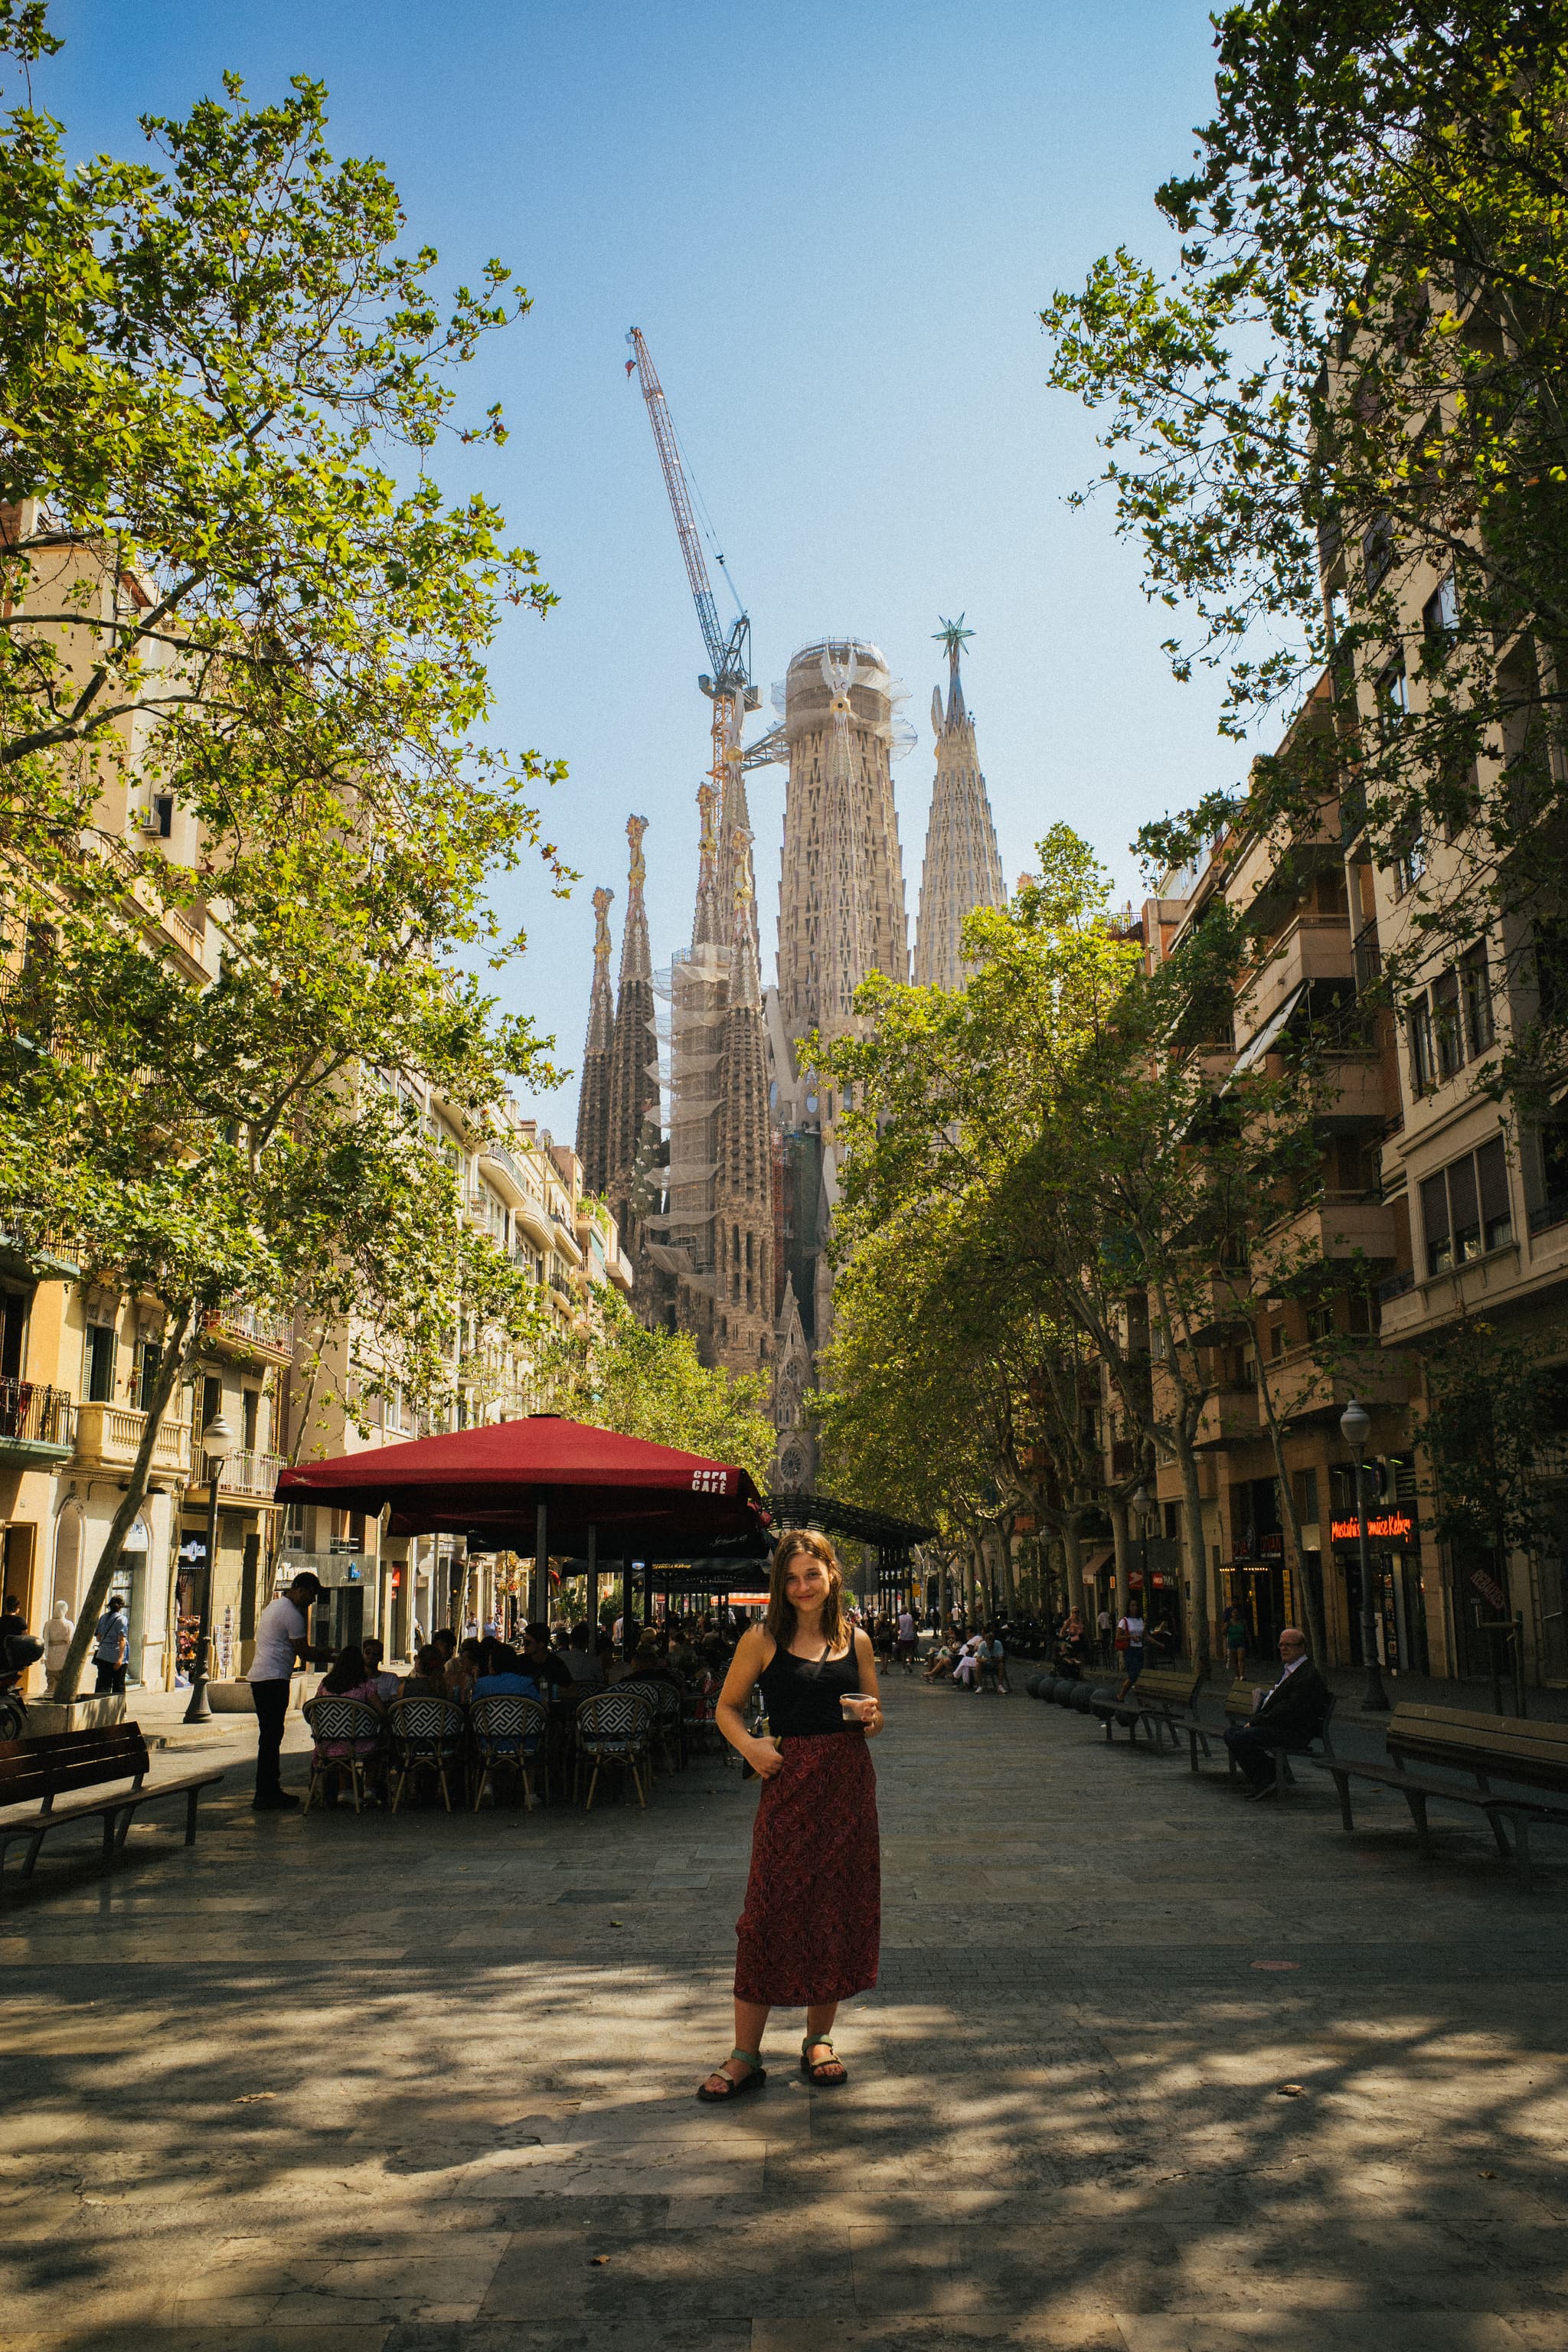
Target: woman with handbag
808, 1936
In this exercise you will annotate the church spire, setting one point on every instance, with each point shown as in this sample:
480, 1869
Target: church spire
742, 1193
706, 923
962, 870
594, 1092
634, 1084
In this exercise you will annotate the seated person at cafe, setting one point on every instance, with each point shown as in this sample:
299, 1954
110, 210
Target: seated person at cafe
387, 1687
581, 1663
546, 1666
504, 1675
445, 1643
348, 1677
651, 1663
605, 1653
464, 1667
428, 1679
939, 1662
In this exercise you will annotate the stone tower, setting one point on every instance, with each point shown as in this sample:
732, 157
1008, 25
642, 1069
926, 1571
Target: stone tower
634, 1082
742, 1333
962, 868
841, 915
841, 895
594, 1092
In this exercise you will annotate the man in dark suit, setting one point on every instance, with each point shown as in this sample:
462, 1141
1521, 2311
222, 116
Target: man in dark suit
1291, 1715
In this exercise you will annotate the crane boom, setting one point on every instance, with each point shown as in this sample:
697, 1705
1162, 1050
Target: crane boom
731, 658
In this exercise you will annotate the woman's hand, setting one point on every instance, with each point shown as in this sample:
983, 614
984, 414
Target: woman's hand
766, 1757
871, 1722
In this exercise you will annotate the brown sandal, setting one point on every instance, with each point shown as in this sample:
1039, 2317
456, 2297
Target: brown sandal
750, 2081
814, 2071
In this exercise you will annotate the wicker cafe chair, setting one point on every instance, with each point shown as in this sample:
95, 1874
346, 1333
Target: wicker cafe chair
667, 1715
507, 1729
347, 1720
428, 1735
613, 1728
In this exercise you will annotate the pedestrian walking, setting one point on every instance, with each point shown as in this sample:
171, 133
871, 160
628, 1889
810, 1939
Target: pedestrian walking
111, 1646
1104, 1628
1130, 1642
809, 1933
907, 1642
280, 1632
1235, 1633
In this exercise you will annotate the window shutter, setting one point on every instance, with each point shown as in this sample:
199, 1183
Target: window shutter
1435, 1219
1491, 1169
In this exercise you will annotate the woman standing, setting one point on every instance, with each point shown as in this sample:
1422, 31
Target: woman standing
810, 1933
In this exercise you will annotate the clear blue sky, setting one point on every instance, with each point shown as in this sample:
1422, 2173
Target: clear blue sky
835, 228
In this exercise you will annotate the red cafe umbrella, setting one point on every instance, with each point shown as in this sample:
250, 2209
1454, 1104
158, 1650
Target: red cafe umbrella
493, 1484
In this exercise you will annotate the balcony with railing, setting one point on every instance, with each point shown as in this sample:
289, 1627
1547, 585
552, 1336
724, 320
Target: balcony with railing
249, 1474
250, 1331
1341, 1226
36, 1424
32, 1249
1230, 1417
1311, 947
565, 1235
499, 1163
108, 1437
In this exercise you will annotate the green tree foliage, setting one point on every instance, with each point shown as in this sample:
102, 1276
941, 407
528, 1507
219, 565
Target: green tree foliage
1060, 1113
1494, 1410
230, 581
1362, 356
653, 1385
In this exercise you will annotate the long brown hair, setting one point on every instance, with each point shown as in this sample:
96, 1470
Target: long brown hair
780, 1620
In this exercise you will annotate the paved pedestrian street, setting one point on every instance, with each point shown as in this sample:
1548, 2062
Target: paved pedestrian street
1150, 2069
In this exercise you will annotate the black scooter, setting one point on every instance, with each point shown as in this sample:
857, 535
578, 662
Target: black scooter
22, 1650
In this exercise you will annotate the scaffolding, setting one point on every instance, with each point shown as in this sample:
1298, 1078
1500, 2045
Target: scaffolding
694, 990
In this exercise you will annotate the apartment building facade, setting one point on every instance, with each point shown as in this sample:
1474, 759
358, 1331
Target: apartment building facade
78, 1361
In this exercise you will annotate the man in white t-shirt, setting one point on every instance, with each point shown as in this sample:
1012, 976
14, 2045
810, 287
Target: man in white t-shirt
907, 1642
280, 1632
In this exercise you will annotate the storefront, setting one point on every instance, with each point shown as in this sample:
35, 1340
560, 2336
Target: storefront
1159, 1600
1399, 1604
1265, 1591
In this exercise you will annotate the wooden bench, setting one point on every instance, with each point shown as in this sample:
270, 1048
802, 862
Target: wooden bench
1239, 1701
1158, 1699
35, 1774
1487, 1747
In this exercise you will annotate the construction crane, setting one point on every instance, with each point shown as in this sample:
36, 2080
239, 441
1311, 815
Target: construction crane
728, 684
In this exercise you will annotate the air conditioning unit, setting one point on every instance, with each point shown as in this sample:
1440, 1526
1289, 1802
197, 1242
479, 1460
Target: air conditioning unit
151, 821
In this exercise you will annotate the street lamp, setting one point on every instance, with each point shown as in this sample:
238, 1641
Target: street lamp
1355, 1428
216, 1444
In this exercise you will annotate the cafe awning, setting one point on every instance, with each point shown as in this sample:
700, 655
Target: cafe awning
653, 1502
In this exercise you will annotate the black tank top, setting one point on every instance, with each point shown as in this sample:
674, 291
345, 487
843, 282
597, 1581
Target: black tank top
803, 1696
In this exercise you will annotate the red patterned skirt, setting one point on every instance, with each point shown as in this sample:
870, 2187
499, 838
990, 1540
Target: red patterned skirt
811, 1927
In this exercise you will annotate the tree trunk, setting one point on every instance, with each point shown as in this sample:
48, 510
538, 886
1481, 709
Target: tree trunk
1307, 1576
1119, 1529
180, 1348
1197, 1555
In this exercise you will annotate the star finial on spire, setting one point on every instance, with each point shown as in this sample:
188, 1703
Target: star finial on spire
954, 636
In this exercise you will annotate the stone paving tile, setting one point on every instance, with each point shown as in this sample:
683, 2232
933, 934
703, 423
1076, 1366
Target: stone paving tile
1067, 2126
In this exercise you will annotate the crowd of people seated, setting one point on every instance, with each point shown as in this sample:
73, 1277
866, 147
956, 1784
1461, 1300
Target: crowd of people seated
555, 1666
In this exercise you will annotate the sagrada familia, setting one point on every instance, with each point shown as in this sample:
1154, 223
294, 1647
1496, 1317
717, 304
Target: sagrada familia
725, 1201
